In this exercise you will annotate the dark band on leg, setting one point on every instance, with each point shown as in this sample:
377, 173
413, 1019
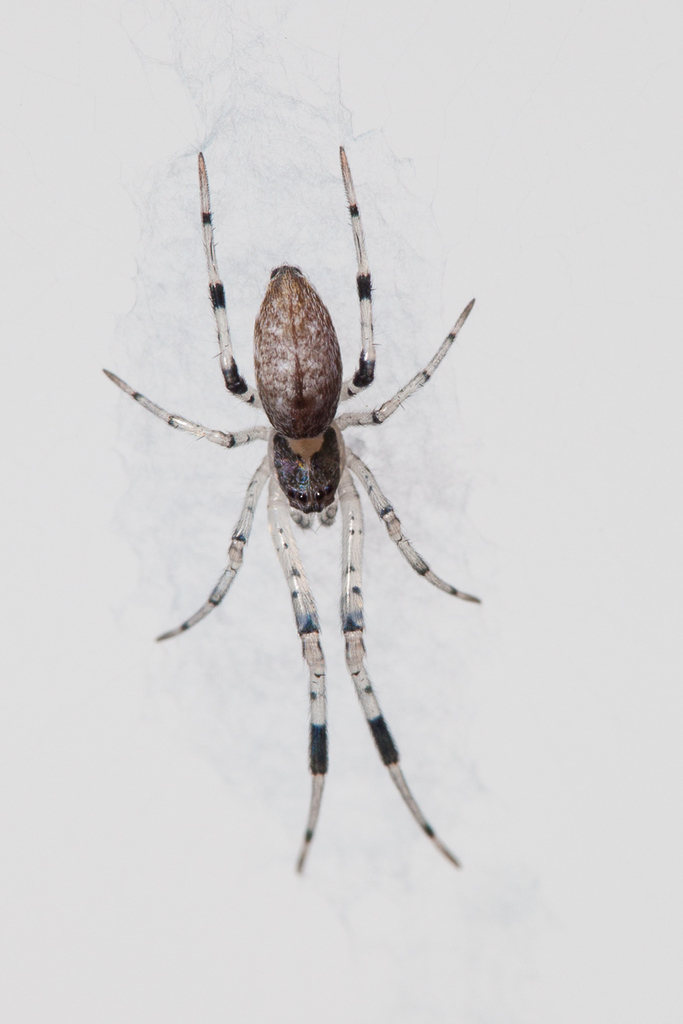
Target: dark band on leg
217, 293
235, 384
364, 283
365, 374
318, 753
382, 737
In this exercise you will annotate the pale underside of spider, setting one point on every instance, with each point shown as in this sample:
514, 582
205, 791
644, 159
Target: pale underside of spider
310, 471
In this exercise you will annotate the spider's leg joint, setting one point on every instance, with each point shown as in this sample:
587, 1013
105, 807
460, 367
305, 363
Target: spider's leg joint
307, 624
234, 382
365, 374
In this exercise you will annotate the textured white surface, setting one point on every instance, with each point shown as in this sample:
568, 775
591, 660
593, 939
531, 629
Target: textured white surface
153, 797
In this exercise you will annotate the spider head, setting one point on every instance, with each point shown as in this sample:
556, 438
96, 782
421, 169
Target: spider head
308, 470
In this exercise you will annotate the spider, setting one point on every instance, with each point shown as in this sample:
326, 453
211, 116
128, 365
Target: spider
310, 471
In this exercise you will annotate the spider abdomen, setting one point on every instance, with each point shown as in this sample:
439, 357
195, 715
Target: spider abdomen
296, 355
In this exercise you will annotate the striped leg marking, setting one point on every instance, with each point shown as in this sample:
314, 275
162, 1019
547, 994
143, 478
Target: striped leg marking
376, 416
308, 628
234, 382
353, 628
393, 524
226, 440
365, 373
239, 540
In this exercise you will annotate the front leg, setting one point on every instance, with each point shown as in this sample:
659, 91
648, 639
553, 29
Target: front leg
308, 628
353, 628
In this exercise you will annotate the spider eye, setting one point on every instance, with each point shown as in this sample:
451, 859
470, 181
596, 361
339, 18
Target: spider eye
328, 489
318, 495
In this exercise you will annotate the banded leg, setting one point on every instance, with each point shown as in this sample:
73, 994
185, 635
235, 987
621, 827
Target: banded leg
376, 416
393, 524
216, 436
239, 540
365, 373
234, 382
308, 628
353, 628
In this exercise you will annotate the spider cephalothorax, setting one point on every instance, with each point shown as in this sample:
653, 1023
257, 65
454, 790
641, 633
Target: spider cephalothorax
308, 469
299, 386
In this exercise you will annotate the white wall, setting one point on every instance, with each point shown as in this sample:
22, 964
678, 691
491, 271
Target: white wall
153, 797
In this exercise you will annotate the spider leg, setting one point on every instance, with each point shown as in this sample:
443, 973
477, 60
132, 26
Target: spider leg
234, 382
240, 536
216, 436
393, 524
365, 373
376, 416
308, 628
353, 628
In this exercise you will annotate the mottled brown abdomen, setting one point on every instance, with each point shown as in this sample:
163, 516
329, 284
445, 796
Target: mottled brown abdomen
297, 357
